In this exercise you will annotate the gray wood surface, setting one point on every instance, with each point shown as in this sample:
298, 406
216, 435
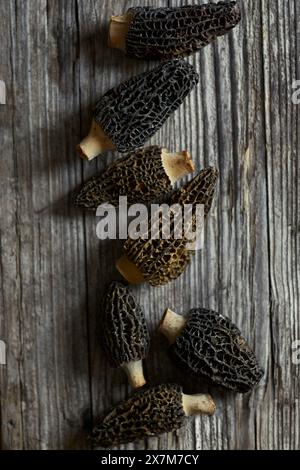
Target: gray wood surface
53, 269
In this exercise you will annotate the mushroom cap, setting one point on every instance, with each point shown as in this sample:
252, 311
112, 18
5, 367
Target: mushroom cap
147, 413
200, 190
135, 110
132, 176
160, 261
163, 260
172, 32
212, 346
125, 335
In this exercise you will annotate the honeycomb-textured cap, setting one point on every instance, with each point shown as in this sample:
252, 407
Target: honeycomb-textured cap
140, 176
210, 345
157, 33
135, 110
147, 413
125, 336
200, 190
163, 260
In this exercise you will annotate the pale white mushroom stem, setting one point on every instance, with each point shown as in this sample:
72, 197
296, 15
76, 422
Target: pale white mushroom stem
172, 325
118, 29
177, 165
135, 373
129, 271
196, 404
95, 143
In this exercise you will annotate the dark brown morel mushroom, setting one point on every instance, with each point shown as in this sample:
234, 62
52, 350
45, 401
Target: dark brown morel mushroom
161, 260
163, 33
127, 116
150, 412
210, 345
142, 176
125, 335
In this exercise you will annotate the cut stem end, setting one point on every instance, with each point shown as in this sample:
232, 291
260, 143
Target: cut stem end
177, 165
95, 143
172, 325
196, 404
129, 271
135, 373
118, 29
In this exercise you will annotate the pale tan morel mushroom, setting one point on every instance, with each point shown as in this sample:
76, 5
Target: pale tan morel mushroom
159, 261
150, 412
142, 176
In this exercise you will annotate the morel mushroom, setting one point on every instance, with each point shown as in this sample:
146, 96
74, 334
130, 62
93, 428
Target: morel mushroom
127, 116
125, 333
142, 176
156, 33
210, 345
158, 261
150, 412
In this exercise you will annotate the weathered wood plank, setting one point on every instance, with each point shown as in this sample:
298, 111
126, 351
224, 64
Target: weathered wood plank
54, 270
42, 242
11, 400
282, 130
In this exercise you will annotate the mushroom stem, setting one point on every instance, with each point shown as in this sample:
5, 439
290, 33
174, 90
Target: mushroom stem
118, 29
135, 374
95, 143
177, 165
172, 325
196, 404
129, 271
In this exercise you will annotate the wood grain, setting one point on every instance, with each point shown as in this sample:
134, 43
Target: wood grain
55, 63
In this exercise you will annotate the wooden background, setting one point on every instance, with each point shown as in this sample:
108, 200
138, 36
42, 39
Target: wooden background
55, 64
